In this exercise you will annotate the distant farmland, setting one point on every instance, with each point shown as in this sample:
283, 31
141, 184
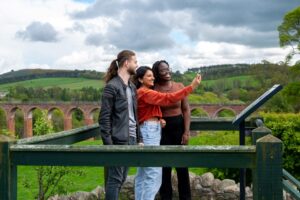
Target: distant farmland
77, 83
72, 83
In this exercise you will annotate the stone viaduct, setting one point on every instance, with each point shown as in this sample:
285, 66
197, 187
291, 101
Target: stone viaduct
88, 109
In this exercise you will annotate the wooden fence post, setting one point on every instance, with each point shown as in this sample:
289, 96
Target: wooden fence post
259, 133
8, 173
267, 175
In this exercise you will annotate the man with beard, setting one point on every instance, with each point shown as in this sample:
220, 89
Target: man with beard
118, 115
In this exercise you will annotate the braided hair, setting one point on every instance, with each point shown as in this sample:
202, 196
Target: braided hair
155, 69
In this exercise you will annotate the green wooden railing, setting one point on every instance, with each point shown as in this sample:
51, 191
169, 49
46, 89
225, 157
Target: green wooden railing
291, 185
264, 158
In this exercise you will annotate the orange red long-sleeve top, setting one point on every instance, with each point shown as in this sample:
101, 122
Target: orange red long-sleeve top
149, 101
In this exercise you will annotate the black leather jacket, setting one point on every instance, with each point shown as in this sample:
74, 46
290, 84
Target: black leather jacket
114, 114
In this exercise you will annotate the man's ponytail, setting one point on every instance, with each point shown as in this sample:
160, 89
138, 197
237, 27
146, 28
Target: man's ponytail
118, 63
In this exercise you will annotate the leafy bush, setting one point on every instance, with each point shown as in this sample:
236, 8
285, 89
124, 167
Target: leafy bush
226, 113
209, 97
286, 126
51, 179
198, 112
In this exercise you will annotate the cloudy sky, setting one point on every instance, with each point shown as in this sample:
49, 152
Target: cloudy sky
88, 34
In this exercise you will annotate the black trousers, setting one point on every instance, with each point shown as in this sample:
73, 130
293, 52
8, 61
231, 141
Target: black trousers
172, 135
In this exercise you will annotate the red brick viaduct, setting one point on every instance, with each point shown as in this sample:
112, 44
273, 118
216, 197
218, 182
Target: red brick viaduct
88, 109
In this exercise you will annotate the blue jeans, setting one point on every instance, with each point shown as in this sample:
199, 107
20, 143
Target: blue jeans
116, 176
148, 179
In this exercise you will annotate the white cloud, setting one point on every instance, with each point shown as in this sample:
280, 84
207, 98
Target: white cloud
212, 53
177, 32
94, 58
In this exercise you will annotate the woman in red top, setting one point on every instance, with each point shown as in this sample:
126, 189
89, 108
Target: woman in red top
148, 179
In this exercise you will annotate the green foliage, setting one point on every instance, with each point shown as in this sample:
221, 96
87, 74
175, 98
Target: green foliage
226, 113
292, 95
89, 178
219, 138
209, 97
57, 119
221, 71
28, 74
244, 86
50, 178
77, 179
53, 94
42, 125
289, 32
294, 72
77, 116
268, 74
287, 128
19, 123
2, 120
238, 94
198, 112
278, 103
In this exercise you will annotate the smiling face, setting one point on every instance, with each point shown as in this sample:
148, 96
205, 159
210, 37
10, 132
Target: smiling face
164, 72
148, 79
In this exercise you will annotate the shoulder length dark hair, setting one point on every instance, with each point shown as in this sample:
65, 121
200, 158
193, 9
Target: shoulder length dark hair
140, 73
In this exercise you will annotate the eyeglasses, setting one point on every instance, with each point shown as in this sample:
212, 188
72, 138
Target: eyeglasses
165, 70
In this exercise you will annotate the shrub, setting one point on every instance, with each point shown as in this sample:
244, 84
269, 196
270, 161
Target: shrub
286, 126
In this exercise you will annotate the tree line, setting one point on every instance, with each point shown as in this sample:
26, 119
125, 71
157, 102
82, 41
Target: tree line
31, 94
259, 78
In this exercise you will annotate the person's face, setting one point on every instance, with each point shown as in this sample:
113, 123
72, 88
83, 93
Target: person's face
148, 79
132, 65
164, 72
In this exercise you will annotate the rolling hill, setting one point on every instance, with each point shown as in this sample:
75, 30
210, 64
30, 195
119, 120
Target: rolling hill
63, 82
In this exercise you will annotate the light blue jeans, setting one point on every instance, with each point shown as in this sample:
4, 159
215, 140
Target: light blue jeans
148, 179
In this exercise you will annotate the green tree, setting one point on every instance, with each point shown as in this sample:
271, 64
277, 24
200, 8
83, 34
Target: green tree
292, 95
289, 32
50, 178
2, 121
198, 112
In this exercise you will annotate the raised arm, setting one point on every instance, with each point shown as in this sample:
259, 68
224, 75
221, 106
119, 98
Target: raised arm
164, 99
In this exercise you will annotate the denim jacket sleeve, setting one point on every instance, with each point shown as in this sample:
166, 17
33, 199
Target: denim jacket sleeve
105, 123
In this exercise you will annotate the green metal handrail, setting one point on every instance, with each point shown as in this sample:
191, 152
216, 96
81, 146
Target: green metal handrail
291, 185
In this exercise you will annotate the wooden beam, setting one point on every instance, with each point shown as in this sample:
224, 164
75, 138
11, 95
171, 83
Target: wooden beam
176, 156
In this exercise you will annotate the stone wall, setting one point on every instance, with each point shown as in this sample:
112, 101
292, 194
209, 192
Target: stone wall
204, 187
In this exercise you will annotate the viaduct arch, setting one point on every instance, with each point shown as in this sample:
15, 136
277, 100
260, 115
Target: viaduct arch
212, 110
87, 108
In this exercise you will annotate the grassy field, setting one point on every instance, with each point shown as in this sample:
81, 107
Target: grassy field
93, 176
72, 83
77, 83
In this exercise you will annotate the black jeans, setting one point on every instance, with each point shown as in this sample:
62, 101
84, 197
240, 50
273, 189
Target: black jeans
172, 135
116, 176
